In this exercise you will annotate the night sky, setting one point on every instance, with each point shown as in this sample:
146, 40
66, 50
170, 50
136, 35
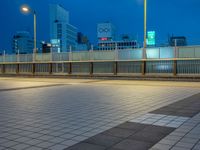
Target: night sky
178, 17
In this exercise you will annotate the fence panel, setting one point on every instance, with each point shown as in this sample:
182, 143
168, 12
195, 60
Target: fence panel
188, 67
186, 52
134, 54
25, 68
42, 68
60, 57
197, 52
10, 58
167, 52
43, 57
159, 67
26, 57
153, 53
129, 67
103, 55
80, 56
80, 68
10, 68
103, 67
1, 58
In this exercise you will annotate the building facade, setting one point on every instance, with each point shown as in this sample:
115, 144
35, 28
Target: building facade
22, 43
107, 39
63, 35
83, 43
177, 41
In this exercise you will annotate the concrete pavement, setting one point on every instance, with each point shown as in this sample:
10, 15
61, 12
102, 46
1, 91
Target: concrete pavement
41, 113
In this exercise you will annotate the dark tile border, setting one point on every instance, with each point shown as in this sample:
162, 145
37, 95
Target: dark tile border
126, 136
32, 87
188, 107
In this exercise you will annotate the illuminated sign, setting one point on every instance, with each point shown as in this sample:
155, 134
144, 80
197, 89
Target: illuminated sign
151, 38
104, 39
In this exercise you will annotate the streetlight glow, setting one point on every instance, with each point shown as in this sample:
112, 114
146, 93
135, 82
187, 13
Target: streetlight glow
25, 9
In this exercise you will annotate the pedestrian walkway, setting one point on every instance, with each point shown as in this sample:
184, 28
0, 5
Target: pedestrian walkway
57, 114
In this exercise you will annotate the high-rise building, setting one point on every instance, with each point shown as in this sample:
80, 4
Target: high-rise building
63, 35
106, 32
46, 47
83, 43
177, 41
107, 40
22, 43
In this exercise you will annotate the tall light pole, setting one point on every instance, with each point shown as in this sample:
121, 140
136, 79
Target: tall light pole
26, 9
145, 29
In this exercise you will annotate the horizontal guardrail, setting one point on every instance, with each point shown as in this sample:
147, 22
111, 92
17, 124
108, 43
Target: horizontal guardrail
157, 67
111, 55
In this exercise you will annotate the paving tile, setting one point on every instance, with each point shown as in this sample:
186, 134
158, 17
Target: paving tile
197, 147
86, 146
33, 142
45, 144
20, 146
179, 148
56, 140
185, 145
103, 140
161, 146
150, 137
58, 147
9, 144
33, 148
129, 144
69, 142
119, 132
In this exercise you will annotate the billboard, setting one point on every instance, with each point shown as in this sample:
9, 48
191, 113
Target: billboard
151, 38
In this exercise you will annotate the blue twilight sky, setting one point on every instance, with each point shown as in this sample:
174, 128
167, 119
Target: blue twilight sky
178, 17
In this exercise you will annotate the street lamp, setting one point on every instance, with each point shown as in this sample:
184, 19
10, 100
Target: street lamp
26, 9
145, 29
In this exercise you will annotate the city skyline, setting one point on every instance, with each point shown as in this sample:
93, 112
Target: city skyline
126, 16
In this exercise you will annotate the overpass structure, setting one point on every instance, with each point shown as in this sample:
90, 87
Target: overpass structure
159, 61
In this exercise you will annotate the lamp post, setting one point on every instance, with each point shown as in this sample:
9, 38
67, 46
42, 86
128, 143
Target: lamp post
26, 9
145, 29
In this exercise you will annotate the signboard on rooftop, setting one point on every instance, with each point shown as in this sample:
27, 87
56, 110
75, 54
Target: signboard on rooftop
151, 38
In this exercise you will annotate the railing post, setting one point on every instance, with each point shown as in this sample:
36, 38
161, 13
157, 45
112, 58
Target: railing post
91, 68
143, 67
18, 56
17, 69
33, 68
91, 54
4, 56
50, 68
3, 69
175, 68
115, 66
116, 51
70, 68
70, 53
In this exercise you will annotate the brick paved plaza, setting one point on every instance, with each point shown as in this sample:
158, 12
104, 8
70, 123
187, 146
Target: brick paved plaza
78, 114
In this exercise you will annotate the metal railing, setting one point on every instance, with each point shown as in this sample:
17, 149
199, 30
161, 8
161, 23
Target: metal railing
159, 61
129, 54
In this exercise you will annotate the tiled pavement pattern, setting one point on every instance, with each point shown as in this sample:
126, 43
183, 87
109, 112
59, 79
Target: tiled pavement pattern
186, 137
161, 120
187, 108
57, 117
127, 136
